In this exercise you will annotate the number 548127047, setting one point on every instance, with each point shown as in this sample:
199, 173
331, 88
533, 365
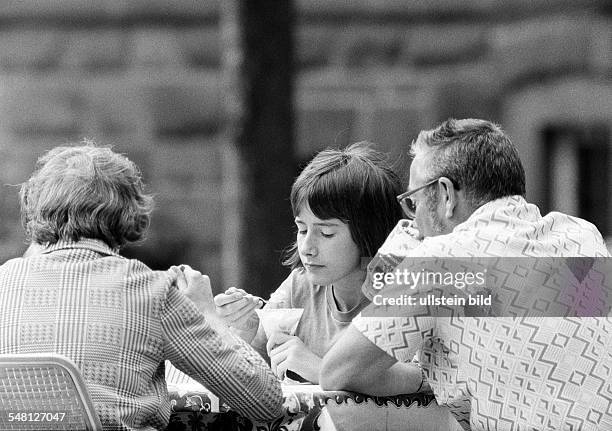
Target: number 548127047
36, 416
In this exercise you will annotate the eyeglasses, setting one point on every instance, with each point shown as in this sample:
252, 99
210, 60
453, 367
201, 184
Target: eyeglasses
408, 204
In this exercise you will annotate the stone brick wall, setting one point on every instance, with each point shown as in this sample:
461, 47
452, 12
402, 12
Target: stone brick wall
144, 76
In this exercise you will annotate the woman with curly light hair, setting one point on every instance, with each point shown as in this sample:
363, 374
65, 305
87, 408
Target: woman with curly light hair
85, 192
74, 295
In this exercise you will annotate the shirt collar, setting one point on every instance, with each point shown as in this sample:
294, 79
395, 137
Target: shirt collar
510, 205
96, 245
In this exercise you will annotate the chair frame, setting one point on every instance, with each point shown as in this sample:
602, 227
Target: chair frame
52, 359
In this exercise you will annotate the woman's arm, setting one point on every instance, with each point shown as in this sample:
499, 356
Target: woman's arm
200, 345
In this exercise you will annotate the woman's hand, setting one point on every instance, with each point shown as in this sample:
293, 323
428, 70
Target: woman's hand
196, 287
288, 352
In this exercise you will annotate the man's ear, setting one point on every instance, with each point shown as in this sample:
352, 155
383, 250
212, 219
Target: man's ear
448, 196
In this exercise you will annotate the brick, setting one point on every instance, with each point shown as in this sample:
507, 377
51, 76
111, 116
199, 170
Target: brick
601, 46
337, 109
200, 47
439, 44
319, 128
116, 106
523, 8
9, 199
466, 90
50, 108
96, 50
185, 110
364, 46
190, 166
18, 156
169, 8
30, 148
394, 128
315, 45
51, 8
386, 7
468, 98
540, 45
323, 9
67, 9
12, 239
156, 47
11, 248
28, 48
179, 217
16, 165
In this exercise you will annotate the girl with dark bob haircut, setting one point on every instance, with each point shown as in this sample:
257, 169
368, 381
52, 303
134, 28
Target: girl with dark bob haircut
355, 185
344, 204
85, 192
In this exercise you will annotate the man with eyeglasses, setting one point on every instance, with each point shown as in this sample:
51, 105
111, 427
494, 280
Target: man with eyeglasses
466, 198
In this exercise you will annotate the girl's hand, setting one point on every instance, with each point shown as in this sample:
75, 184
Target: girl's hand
236, 308
288, 352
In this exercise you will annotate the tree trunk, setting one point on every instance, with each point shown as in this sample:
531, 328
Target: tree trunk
258, 73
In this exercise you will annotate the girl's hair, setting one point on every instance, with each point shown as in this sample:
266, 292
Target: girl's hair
85, 192
355, 185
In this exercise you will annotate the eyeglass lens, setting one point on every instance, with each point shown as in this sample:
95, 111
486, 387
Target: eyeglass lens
408, 206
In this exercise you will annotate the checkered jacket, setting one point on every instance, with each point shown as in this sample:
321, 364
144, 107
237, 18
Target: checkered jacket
118, 321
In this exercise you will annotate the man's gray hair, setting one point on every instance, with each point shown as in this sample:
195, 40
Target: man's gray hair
476, 155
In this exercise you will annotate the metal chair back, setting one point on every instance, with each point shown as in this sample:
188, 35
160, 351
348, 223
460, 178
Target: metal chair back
44, 392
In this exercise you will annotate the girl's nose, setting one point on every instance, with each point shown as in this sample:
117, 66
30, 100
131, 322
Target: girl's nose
308, 246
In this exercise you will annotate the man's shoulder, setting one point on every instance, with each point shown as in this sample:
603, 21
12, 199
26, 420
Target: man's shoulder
555, 234
575, 236
561, 221
454, 244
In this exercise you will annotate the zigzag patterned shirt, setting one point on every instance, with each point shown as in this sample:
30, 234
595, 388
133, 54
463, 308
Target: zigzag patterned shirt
505, 373
118, 321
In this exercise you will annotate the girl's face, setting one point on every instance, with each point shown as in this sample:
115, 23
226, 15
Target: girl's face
327, 251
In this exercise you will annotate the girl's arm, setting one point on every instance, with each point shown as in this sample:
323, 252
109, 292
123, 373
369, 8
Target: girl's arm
289, 353
236, 308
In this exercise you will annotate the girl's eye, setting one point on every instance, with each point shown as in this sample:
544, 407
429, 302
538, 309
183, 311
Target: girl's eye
302, 232
327, 235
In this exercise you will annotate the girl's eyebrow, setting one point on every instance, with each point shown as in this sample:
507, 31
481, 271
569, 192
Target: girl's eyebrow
327, 224
323, 223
